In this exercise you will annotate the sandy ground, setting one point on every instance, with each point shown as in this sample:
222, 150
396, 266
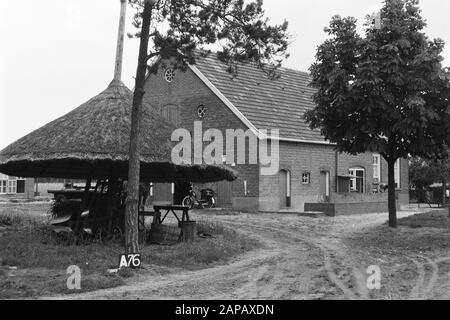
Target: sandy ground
302, 258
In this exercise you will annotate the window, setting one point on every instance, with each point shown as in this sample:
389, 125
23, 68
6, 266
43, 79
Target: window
169, 75
201, 111
11, 185
3, 184
376, 168
172, 114
306, 178
357, 180
397, 174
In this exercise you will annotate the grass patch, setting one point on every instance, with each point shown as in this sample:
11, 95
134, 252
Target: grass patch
427, 232
42, 258
422, 235
435, 219
10, 219
220, 246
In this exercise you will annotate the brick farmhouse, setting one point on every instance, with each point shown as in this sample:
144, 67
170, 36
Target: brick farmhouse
311, 175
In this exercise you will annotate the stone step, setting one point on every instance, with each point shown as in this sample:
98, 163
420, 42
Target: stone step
312, 214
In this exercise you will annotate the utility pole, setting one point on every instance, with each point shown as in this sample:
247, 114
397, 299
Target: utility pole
120, 41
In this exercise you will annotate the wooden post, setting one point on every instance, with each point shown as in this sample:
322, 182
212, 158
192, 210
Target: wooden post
188, 231
36, 187
111, 209
120, 41
84, 204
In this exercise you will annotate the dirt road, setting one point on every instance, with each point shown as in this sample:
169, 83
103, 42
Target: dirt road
301, 258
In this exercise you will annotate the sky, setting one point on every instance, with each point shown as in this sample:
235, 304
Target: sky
56, 55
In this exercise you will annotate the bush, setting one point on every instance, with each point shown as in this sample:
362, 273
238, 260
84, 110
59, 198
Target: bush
10, 219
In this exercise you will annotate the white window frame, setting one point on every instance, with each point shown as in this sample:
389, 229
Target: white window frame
169, 75
376, 162
8, 185
353, 184
397, 174
3, 184
12, 185
306, 178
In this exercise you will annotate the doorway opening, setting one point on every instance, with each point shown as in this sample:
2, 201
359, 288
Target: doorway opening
285, 188
325, 185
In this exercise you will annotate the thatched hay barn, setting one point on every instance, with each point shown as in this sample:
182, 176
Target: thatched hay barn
93, 141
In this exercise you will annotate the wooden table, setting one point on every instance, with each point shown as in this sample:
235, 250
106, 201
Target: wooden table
171, 209
186, 225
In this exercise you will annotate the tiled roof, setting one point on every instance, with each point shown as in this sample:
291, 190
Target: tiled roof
266, 103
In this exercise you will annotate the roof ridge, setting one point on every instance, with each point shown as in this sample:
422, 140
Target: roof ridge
213, 54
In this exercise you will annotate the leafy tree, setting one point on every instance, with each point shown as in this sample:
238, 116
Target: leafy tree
424, 172
385, 91
421, 176
441, 169
177, 29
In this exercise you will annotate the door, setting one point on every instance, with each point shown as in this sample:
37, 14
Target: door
224, 192
181, 191
20, 186
162, 192
325, 185
285, 189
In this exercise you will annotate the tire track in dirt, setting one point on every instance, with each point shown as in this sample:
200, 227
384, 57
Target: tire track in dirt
424, 289
290, 266
334, 278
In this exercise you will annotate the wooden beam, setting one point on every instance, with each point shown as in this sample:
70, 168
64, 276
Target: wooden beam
120, 41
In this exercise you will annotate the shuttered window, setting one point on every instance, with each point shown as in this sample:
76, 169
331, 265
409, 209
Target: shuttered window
172, 114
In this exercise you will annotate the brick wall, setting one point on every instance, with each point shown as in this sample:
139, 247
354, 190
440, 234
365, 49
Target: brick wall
186, 93
298, 158
342, 209
301, 158
29, 188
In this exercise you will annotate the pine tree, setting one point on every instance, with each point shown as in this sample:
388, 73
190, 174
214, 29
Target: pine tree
237, 27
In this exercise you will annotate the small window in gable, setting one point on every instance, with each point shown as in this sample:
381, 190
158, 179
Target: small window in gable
306, 178
169, 75
201, 111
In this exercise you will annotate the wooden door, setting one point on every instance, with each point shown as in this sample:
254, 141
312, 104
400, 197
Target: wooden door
325, 185
162, 192
283, 188
224, 194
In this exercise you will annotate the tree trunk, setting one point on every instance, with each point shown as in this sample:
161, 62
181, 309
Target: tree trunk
391, 195
132, 201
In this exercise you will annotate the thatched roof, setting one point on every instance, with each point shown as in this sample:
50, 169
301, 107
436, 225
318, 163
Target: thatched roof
93, 140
